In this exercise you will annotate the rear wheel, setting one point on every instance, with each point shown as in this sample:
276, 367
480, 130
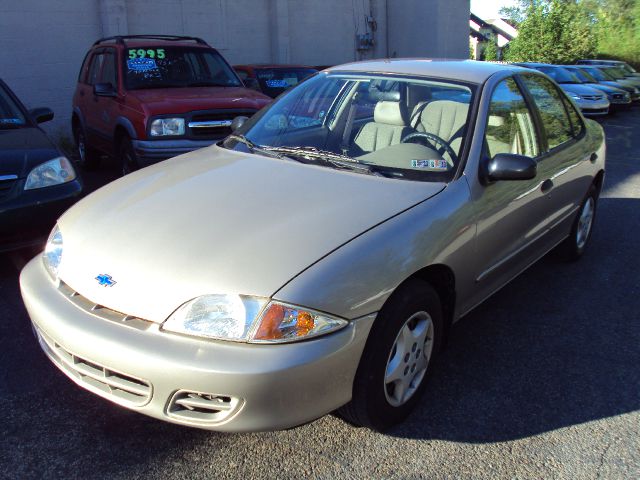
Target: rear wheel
87, 157
397, 359
576, 244
127, 155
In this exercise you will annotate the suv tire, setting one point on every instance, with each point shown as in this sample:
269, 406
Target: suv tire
88, 158
127, 155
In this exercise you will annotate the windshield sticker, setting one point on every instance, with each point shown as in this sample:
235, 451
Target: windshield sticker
438, 165
277, 84
150, 53
141, 64
11, 121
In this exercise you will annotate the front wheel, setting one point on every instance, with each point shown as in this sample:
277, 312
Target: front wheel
87, 157
576, 244
397, 359
128, 157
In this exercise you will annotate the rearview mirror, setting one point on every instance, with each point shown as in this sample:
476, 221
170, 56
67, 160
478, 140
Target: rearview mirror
42, 114
104, 90
509, 166
238, 122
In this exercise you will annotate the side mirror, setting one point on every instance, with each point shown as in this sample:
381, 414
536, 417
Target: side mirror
238, 122
251, 83
508, 166
42, 114
104, 90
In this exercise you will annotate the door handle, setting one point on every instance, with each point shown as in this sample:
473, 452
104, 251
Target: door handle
546, 185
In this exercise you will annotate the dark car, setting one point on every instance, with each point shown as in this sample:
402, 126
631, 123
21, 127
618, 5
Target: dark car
146, 98
618, 97
603, 78
272, 80
37, 182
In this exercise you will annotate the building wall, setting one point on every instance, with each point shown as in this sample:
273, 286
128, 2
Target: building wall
43, 42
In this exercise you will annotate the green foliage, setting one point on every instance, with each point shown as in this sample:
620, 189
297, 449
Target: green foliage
490, 49
562, 31
554, 31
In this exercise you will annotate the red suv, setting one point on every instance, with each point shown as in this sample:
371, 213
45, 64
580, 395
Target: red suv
146, 98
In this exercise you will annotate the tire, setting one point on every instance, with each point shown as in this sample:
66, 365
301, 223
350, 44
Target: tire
397, 359
88, 158
575, 245
127, 156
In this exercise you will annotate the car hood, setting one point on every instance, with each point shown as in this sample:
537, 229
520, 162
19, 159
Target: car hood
182, 100
217, 221
22, 149
579, 89
619, 86
605, 88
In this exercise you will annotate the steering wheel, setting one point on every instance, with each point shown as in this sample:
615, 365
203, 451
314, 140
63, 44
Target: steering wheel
433, 138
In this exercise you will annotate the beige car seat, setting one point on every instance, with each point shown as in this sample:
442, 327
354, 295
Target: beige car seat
388, 128
444, 118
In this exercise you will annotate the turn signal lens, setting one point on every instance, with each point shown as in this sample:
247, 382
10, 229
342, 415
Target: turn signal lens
286, 323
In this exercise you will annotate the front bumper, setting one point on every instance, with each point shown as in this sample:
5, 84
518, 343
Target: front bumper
594, 108
154, 151
27, 216
258, 387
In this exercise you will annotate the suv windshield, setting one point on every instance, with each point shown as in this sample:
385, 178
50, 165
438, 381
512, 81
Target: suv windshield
167, 67
274, 81
384, 125
11, 115
559, 74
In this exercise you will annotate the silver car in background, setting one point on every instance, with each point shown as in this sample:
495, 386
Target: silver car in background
315, 259
591, 101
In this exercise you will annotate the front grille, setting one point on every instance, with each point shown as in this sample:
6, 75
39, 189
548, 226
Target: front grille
592, 97
214, 124
101, 311
197, 407
116, 386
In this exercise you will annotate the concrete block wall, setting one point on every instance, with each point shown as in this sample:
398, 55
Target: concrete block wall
43, 42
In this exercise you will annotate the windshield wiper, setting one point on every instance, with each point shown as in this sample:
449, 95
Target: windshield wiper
335, 159
253, 148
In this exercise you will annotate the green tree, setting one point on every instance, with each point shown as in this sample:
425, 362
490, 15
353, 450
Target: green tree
490, 49
554, 31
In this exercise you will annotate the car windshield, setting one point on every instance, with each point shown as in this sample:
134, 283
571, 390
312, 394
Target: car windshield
560, 74
597, 74
11, 115
581, 75
274, 81
167, 67
382, 125
614, 73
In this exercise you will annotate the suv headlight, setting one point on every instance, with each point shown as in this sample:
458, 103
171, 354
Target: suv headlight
54, 172
167, 126
52, 255
249, 319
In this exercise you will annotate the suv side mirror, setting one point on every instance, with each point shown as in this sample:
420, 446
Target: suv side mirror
509, 166
42, 114
251, 83
238, 122
104, 90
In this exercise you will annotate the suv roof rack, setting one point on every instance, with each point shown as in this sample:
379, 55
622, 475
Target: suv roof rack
120, 39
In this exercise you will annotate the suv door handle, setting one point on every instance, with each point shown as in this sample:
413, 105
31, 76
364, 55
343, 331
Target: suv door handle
546, 185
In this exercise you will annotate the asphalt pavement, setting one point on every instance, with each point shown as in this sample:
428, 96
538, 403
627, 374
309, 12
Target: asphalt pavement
541, 381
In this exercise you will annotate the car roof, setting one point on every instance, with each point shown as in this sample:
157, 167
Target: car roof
461, 70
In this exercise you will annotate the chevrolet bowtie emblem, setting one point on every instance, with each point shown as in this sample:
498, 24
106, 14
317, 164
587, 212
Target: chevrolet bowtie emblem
105, 280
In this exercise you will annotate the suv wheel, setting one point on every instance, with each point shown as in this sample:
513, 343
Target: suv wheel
397, 359
87, 157
128, 158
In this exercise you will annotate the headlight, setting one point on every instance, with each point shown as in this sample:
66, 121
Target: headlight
575, 96
245, 319
52, 255
167, 126
54, 172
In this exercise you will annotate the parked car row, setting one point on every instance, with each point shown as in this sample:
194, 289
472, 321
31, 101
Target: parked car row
597, 86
